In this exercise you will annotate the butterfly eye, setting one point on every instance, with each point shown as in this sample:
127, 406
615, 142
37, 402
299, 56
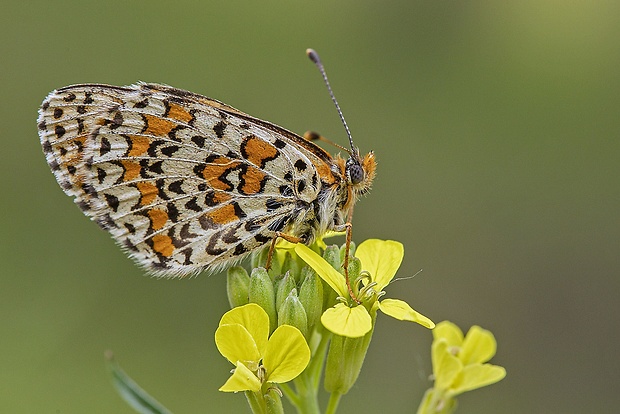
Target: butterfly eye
356, 173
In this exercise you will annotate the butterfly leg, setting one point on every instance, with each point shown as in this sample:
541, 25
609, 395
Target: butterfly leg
272, 246
348, 227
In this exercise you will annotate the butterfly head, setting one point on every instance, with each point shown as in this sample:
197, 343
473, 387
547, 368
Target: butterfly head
360, 171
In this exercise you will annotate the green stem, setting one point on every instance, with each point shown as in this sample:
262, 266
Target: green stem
305, 398
308, 401
257, 404
316, 364
273, 402
290, 394
332, 405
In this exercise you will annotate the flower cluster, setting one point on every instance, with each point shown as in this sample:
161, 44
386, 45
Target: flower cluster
304, 304
303, 317
459, 365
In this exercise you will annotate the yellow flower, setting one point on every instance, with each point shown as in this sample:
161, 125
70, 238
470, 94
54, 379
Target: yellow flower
380, 259
459, 365
243, 338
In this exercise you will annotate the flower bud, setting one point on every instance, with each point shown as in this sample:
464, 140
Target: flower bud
262, 293
343, 249
332, 256
355, 268
311, 296
237, 285
259, 258
292, 264
292, 313
284, 285
277, 259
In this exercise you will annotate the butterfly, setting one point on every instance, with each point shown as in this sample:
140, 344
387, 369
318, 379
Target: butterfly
186, 183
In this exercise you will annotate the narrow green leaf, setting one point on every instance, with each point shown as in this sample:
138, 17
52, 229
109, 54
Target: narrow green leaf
131, 392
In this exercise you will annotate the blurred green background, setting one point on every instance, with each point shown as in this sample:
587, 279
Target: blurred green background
496, 126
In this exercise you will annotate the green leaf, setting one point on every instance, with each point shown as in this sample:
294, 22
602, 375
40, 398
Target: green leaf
131, 392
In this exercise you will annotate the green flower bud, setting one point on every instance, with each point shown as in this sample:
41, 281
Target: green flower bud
345, 359
343, 249
311, 296
293, 313
237, 285
332, 256
284, 286
276, 268
259, 258
262, 293
292, 264
355, 268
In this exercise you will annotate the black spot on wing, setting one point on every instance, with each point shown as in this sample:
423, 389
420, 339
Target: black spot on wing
301, 165
199, 141
240, 249
142, 104
169, 150
59, 131
211, 248
193, 205
301, 186
219, 129
112, 201
176, 187
105, 146
70, 97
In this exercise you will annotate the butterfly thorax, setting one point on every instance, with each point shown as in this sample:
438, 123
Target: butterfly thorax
333, 206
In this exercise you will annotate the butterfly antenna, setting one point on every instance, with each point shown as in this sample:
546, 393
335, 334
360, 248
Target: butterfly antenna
317, 61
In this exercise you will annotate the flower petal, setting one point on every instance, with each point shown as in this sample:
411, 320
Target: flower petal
329, 234
477, 375
445, 365
345, 321
285, 244
236, 344
402, 311
253, 318
330, 275
287, 354
450, 332
479, 346
381, 258
242, 379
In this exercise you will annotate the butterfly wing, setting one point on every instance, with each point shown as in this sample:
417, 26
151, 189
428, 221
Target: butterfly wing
183, 182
